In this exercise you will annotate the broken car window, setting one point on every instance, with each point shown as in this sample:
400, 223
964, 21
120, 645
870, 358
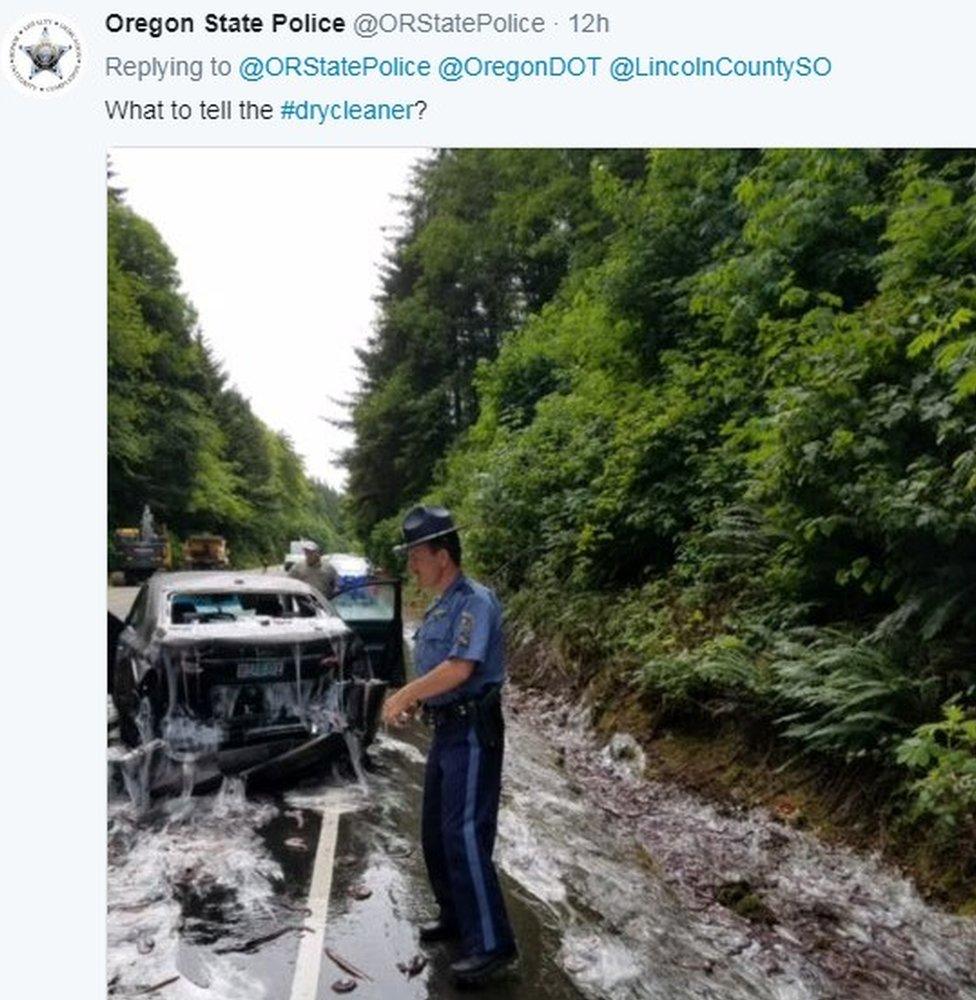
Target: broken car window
197, 608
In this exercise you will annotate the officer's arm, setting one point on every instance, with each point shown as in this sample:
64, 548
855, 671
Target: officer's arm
444, 677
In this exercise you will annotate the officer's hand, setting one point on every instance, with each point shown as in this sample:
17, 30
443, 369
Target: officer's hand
397, 709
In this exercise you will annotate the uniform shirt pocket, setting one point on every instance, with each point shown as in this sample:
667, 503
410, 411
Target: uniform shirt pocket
436, 631
434, 641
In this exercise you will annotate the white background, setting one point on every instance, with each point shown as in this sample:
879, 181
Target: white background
902, 76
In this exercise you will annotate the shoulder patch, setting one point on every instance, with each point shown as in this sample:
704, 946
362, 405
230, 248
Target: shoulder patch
465, 628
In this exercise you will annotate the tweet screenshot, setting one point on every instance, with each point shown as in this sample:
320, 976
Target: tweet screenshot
506, 478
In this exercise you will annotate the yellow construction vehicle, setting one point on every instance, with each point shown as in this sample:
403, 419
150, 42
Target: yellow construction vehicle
206, 552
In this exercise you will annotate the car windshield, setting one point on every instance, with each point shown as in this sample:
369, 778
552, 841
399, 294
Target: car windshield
192, 609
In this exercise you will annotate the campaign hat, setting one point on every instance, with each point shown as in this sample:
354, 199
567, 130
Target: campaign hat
423, 524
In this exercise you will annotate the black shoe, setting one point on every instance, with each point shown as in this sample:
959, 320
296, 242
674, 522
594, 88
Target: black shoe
438, 931
475, 969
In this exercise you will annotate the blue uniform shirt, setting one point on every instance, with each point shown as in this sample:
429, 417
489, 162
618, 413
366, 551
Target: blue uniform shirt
464, 623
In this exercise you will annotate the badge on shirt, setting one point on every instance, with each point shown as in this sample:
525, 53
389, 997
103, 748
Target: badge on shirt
466, 628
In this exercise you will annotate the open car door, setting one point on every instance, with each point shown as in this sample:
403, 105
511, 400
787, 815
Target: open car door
373, 609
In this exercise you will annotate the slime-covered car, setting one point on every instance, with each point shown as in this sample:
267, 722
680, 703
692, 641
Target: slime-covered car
250, 672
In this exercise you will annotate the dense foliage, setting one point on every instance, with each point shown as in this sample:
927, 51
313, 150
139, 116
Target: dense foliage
708, 415
179, 437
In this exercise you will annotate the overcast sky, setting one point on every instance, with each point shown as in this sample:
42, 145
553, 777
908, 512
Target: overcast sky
279, 251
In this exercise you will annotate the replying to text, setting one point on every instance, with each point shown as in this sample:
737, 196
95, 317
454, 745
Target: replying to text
452, 69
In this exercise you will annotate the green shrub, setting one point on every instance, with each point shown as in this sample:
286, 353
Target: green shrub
944, 754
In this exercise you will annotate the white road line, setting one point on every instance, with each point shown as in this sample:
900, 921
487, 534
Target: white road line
306, 982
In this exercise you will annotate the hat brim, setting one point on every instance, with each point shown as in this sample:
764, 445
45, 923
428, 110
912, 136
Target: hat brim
400, 549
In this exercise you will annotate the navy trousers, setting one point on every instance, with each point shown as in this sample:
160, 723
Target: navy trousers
462, 784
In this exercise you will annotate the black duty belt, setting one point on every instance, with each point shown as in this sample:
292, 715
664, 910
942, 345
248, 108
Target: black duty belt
469, 709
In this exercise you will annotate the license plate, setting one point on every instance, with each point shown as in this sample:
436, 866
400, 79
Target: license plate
260, 671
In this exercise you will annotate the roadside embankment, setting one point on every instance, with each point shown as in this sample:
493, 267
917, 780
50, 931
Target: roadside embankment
739, 759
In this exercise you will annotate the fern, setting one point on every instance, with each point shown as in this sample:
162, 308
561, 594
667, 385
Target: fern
847, 698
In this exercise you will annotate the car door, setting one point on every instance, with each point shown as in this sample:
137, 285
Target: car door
373, 610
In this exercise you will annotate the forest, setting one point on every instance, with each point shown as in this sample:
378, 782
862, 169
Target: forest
180, 436
707, 419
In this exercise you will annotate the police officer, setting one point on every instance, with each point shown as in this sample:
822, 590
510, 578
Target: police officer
322, 576
459, 661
